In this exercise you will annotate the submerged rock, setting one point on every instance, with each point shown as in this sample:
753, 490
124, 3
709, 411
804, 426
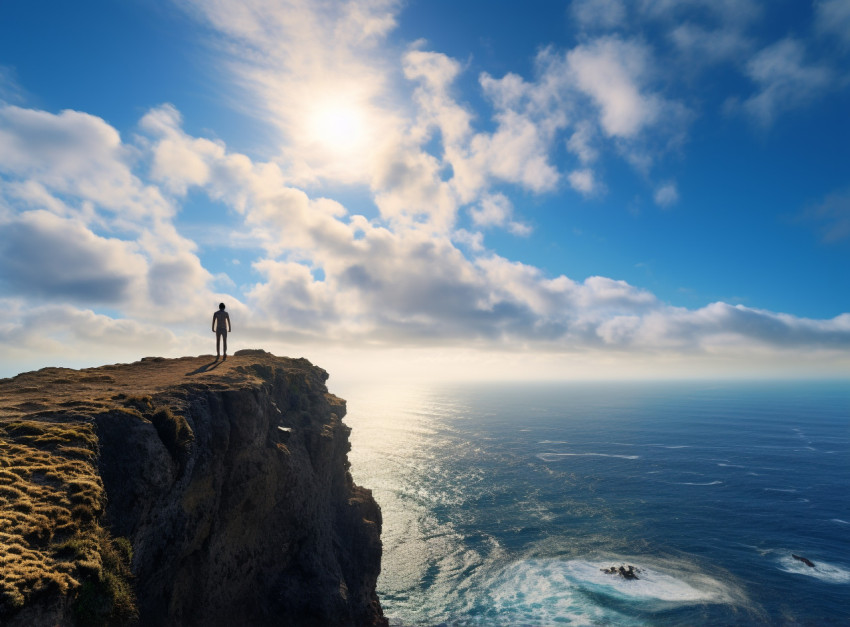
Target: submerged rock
185, 492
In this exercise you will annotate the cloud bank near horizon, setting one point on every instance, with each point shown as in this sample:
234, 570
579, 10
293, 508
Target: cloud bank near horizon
73, 240
92, 254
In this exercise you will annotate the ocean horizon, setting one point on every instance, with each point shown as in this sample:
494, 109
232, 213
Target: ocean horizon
503, 504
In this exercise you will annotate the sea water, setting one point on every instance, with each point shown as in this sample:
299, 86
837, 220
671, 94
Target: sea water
503, 504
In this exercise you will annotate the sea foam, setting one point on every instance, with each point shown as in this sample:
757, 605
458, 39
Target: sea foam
652, 585
551, 591
826, 572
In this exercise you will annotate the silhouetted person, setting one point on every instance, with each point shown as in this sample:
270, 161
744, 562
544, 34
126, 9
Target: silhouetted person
220, 326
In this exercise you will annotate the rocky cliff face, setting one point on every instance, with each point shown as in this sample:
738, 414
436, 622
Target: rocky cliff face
188, 493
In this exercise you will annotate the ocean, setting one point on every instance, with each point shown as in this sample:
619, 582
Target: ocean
502, 504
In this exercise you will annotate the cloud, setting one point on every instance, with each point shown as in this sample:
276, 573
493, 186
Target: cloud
497, 210
582, 141
721, 12
602, 14
346, 107
704, 45
347, 116
332, 277
784, 79
832, 215
515, 152
607, 70
832, 17
310, 66
77, 154
179, 161
329, 276
409, 186
56, 334
291, 294
583, 181
666, 195
45, 255
704, 32
723, 327
78, 223
50, 325
613, 72
10, 89
616, 15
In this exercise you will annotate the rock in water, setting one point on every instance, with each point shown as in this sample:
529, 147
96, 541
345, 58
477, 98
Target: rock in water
624, 571
806, 561
165, 492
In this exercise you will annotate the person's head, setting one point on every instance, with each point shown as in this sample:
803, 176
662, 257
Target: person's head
221, 305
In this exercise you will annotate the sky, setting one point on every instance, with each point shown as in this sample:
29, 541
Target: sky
430, 188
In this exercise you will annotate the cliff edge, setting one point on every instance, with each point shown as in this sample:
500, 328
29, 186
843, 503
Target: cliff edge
183, 492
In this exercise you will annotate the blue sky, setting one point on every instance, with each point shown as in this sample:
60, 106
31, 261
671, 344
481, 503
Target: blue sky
588, 188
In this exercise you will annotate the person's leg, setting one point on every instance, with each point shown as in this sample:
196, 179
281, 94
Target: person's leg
224, 340
218, 344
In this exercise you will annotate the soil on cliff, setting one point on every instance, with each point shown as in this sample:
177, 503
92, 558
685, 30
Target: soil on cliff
182, 491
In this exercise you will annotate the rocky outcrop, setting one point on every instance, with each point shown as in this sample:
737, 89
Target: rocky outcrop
626, 571
227, 483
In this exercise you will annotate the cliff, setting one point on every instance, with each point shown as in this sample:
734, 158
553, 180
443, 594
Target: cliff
182, 492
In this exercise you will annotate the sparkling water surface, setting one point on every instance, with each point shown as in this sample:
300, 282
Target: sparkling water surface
503, 503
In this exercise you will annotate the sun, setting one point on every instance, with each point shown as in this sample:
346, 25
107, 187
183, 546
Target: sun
337, 128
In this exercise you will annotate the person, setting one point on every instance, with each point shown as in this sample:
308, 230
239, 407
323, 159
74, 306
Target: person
220, 326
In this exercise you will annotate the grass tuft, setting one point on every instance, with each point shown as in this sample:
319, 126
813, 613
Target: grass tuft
106, 594
51, 500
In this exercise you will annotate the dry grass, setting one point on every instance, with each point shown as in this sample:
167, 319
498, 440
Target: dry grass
51, 498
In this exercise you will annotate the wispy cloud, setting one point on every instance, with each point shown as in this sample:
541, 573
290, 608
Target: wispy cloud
785, 80
832, 216
832, 17
666, 195
10, 89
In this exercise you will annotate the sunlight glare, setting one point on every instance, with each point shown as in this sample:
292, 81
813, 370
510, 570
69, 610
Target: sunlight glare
337, 128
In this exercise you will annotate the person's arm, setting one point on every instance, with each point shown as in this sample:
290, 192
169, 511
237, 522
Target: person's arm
213, 323
228, 322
